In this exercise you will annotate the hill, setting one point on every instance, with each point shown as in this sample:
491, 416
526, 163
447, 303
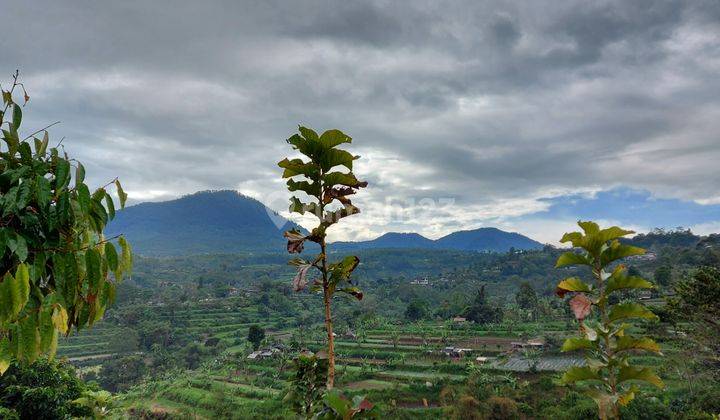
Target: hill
483, 239
487, 239
389, 240
204, 222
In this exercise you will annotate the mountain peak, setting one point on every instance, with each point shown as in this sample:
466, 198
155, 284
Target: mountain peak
203, 222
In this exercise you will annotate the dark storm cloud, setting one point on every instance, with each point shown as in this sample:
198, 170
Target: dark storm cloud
497, 105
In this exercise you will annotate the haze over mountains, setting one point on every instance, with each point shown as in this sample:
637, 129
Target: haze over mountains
227, 222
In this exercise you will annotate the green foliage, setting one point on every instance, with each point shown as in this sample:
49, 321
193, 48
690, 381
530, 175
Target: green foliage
100, 403
57, 270
42, 390
416, 310
696, 303
501, 408
325, 188
526, 297
337, 407
481, 311
307, 384
609, 377
121, 373
256, 335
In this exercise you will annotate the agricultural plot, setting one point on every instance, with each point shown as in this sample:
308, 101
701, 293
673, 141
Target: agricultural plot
542, 363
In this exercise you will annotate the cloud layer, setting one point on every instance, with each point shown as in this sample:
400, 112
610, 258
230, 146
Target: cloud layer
466, 113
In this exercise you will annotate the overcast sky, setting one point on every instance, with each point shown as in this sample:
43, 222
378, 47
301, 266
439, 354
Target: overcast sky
525, 115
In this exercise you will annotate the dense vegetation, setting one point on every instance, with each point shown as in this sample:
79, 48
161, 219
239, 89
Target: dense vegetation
59, 271
177, 339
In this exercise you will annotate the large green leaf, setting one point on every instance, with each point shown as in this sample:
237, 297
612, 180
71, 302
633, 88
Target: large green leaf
83, 197
332, 138
576, 343
339, 178
17, 116
312, 189
612, 233
626, 342
308, 133
28, 338
572, 258
5, 354
62, 174
618, 250
121, 194
110, 205
343, 269
14, 293
580, 373
48, 332
572, 284
335, 157
645, 374
630, 310
60, 318
622, 281
22, 283
296, 167
589, 227
92, 269
111, 256
79, 174
42, 190
126, 258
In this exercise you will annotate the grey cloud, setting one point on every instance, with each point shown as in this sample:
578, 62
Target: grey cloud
483, 102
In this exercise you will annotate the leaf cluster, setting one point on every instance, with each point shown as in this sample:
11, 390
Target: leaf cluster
326, 178
57, 271
610, 377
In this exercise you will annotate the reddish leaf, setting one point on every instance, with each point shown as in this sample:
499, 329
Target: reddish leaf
296, 241
581, 306
300, 280
338, 193
365, 405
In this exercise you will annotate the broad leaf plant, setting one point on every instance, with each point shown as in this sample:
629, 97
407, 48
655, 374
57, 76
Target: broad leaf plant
608, 377
326, 180
57, 270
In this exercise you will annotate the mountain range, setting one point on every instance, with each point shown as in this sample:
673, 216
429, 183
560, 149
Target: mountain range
483, 239
227, 222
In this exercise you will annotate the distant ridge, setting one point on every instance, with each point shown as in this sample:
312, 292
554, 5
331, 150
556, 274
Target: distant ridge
390, 240
204, 222
214, 222
483, 239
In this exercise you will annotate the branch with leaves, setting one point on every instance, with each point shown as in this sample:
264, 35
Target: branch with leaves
608, 376
57, 270
328, 190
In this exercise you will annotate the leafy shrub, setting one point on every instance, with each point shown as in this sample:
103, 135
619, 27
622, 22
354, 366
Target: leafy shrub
501, 408
41, 390
646, 408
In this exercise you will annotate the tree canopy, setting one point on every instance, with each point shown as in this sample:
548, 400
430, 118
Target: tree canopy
57, 270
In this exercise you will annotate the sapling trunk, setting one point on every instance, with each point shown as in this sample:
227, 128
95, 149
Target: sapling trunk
328, 319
